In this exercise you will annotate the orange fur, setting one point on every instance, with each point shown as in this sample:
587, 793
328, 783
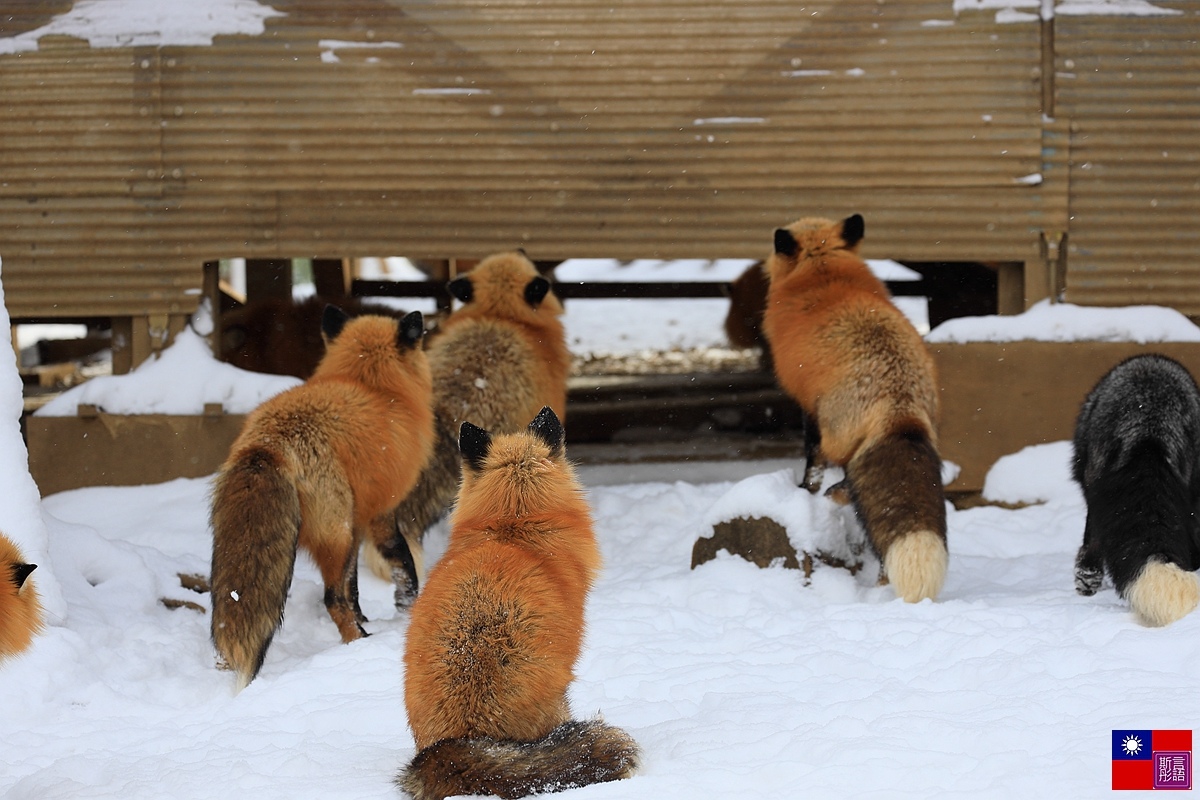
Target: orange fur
843, 350
20, 607
283, 337
862, 373
521, 559
318, 467
496, 631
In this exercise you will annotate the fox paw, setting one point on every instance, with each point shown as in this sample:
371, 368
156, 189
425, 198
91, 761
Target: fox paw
1088, 576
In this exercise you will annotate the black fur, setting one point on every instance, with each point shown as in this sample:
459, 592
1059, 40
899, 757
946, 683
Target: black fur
20, 572
397, 553
462, 289
536, 291
547, 427
853, 228
785, 243
411, 329
1137, 459
332, 321
474, 443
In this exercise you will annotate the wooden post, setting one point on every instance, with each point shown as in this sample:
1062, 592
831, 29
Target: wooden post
1010, 287
268, 278
330, 277
211, 289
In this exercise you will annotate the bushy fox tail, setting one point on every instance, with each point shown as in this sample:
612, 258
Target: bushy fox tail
1163, 593
256, 529
896, 486
572, 755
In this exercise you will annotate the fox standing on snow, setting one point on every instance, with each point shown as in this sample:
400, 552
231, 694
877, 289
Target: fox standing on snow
497, 360
496, 631
1137, 458
862, 375
320, 467
20, 608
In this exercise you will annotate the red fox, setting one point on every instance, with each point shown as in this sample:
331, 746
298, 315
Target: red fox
283, 337
20, 608
497, 361
862, 375
495, 633
318, 467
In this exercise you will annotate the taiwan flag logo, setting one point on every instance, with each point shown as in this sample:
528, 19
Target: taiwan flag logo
1148, 759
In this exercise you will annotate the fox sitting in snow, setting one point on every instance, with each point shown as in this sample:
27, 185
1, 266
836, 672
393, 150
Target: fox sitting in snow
1137, 458
496, 631
862, 375
20, 607
497, 360
320, 466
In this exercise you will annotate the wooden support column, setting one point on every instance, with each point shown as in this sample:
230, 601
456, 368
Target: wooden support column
268, 278
135, 339
330, 277
1010, 287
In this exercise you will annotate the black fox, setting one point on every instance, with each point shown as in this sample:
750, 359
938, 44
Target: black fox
1137, 458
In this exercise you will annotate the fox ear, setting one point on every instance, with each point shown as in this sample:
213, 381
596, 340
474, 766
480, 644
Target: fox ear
332, 322
853, 228
536, 291
474, 443
411, 329
785, 243
462, 289
546, 427
20, 572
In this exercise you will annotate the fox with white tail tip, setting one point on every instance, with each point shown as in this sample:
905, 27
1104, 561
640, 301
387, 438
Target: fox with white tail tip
1137, 458
867, 385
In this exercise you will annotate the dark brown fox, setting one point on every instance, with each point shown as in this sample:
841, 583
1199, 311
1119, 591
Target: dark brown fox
496, 360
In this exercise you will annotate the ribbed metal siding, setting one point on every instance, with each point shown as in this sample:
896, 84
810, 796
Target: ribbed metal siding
576, 128
1130, 88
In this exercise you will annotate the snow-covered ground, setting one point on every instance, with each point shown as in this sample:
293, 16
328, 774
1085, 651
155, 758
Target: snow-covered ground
737, 681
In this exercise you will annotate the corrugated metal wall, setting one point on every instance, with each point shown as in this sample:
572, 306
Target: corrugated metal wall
576, 128
679, 128
1130, 87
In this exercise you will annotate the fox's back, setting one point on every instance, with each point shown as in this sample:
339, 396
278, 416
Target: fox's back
845, 351
376, 443
491, 646
486, 372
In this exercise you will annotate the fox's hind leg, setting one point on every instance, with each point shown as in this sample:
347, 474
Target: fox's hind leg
1089, 563
340, 573
328, 533
401, 553
814, 466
